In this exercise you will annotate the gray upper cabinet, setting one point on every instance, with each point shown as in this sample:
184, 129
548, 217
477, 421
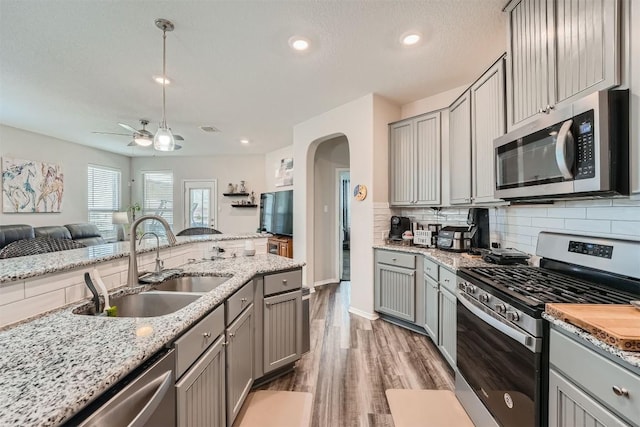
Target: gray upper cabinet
488, 121
282, 330
559, 50
460, 150
414, 152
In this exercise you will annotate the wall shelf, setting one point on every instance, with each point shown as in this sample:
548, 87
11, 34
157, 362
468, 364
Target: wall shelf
235, 194
233, 205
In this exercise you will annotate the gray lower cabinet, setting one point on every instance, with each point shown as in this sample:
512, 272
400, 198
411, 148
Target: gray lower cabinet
431, 303
282, 330
395, 289
240, 358
200, 393
447, 331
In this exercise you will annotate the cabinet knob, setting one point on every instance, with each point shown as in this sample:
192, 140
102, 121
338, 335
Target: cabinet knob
243, 300
225, 343
206, 334
268, 304
540, 110
232, 334
620, 391
394, 259
284, 282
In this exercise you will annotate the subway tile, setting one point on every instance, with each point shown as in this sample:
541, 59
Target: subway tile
548, 222
625, 202
526, 211
588, 225
30, 307
588, 203
579, 213
518, 220
627, 228
619, 213
76, 293
54, 282
11, 293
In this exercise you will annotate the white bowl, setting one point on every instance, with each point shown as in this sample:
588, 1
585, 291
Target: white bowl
249, 252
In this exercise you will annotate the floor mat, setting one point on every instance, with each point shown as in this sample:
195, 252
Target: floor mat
268, 408
426, 408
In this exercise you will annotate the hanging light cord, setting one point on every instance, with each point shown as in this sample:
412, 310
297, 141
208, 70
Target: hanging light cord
164, 78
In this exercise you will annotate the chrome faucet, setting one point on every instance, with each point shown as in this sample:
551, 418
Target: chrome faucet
132, 277
159, 262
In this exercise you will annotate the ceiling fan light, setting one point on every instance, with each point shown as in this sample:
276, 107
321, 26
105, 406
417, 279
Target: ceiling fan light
163, 140
143, 140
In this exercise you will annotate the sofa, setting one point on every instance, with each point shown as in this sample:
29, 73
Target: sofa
22, 239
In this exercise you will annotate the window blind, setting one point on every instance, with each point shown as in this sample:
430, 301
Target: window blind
103, 186
158, 199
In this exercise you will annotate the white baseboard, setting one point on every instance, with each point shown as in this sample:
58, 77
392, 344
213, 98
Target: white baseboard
361, 313
326, 282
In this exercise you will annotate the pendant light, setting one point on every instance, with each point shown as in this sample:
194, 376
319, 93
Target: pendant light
163, 140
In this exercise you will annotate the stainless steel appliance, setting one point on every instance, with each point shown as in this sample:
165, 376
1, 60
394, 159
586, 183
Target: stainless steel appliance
306, 320
146, 397
582, 149
455, 239
502, 341
399, 224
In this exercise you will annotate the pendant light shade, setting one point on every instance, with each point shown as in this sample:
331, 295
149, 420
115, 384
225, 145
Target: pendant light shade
163, 140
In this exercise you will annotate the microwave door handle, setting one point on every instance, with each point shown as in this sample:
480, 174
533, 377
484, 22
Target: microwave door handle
565, 149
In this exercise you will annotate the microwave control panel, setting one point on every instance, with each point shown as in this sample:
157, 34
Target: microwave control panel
585, 148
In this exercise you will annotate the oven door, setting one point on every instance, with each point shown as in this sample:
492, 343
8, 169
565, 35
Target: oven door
501, 364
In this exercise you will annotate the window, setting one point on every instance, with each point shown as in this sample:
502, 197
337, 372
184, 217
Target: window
103, 198
157, 199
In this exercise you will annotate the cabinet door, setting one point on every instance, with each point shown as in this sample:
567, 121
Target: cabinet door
530, 67
431, 307
240, 354
200, 393
587, 47
448, 326
428, 141
402, 161
569, 406
282, 330
487, 123
460, 150
396, 291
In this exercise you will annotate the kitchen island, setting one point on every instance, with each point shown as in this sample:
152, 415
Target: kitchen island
54, 365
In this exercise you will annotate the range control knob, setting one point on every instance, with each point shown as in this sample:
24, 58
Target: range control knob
462, 286
501, 308
512, 316
471, 289
484, 298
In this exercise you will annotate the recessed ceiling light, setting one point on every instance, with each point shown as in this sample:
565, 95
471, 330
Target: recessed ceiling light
162, 80
299, 43
410, 39
244, 141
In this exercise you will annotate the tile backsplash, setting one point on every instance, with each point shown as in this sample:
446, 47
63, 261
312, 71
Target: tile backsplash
518, 226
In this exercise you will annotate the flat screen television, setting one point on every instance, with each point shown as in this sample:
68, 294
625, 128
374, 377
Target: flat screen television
276, 212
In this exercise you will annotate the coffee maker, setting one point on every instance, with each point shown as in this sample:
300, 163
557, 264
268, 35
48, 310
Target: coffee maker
478, 221
399, 224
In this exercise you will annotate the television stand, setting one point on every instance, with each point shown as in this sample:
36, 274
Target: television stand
280, 245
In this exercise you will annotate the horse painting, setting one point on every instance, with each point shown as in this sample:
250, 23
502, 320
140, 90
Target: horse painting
31, 186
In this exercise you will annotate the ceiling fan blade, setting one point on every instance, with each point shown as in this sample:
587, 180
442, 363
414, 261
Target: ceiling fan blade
111, 133
178, 137
145, 133
127, 127
177, 147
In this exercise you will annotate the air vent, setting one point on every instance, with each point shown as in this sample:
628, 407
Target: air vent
209, 129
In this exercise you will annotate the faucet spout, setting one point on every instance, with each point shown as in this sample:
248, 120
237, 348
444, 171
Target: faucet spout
132, 277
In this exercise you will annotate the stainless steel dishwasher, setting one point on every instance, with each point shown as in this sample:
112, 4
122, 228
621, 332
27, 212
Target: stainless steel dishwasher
306, 339
146, 397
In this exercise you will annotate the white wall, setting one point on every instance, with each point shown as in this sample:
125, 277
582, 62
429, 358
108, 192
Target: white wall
363, 122
432, 103
74, 159
330, 155
225, 169
271, 163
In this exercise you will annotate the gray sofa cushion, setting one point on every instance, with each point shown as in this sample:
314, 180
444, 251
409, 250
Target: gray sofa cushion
85, 233
11, 233
37, 245
55, 231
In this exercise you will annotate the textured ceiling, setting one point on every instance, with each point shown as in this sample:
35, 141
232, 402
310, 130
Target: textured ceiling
68, 68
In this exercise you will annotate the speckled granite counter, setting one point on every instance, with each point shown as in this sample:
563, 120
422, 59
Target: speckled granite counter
56, 364
629, 357
37, 265
450, 260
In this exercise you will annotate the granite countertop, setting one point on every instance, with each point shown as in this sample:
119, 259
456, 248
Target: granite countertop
20, 268
450, 260
56, 364
630, 357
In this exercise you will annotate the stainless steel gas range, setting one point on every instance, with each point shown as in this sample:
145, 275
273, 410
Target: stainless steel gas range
502, 340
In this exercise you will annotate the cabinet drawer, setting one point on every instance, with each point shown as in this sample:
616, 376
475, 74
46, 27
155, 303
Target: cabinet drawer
431, 269
596, 375
282, 282
196, 340
448, 280
239, 301
397, 258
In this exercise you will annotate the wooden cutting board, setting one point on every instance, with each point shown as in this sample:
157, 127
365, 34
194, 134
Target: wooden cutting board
617, 325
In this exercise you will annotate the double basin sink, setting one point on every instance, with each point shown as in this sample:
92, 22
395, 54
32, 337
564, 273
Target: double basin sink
165, 298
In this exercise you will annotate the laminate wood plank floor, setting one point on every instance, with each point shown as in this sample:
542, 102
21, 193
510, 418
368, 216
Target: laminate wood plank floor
354, 360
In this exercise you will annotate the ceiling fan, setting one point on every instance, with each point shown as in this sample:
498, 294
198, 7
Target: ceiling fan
141, 137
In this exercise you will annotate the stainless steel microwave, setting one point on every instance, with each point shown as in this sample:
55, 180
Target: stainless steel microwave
580, 150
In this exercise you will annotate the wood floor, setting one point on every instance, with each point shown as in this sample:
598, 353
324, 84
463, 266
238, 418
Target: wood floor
354, 360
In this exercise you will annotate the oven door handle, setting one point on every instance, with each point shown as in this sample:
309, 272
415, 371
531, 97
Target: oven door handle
565, 150
522, 338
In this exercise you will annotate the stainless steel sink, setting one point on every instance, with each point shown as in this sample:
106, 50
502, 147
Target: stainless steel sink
192, 283
148, 304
